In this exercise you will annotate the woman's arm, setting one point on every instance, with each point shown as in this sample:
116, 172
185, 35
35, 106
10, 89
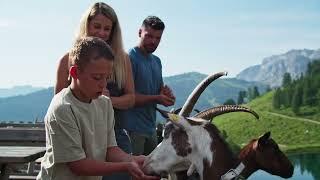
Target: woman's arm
128, 98
62, 75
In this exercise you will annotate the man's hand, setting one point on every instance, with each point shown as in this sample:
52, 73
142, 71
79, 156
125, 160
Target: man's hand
166, 90
166, 96
165, 100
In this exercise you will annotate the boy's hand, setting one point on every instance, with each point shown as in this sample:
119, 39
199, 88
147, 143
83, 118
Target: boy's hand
105, 92
139, 159
136, 172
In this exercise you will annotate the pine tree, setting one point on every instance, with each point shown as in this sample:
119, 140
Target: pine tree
250, 93
229, 102
268, 89
241, 96
286, 80
255, 92
307, 92
297, 99
285, 97
276, 99
318, 99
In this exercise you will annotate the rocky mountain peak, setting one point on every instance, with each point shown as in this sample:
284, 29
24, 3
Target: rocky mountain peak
272, 68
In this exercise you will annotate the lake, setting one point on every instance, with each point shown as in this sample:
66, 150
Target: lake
306, 167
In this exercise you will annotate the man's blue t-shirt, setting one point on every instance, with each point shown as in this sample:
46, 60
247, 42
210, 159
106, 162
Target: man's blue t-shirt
147, 76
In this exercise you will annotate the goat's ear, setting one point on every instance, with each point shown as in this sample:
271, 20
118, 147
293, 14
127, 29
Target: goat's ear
176, 120
264, 138
163, 113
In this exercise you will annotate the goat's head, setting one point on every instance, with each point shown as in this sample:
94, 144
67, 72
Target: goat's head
268, 156
187, 143
180, 145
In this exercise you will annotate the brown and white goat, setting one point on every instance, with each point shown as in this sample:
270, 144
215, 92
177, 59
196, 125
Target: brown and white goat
196, 144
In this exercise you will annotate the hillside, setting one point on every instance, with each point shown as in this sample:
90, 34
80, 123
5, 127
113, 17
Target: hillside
216, 93
34, 105
25, 108
18, 90
291, 132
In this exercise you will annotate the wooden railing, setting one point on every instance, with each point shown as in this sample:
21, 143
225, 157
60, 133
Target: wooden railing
23, 135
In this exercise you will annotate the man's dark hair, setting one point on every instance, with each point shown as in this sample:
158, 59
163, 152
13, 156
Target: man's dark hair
153, 22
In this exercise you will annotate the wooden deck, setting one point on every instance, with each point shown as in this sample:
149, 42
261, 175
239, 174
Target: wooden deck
20, 146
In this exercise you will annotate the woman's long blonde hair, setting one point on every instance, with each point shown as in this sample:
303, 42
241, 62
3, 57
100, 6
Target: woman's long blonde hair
115, 39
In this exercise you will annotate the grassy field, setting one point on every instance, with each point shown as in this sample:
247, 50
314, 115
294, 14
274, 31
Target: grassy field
291, 132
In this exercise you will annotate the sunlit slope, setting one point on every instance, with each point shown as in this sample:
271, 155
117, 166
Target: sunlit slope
290, 132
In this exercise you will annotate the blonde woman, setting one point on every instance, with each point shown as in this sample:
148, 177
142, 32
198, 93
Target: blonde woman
100, 20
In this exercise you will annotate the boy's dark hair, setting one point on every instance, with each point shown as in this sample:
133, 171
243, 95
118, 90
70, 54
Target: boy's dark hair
86, 49
153, 22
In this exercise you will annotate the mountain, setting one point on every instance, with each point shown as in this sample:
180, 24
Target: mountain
271, 70
33, 106
18, 90
217, 92
25, 108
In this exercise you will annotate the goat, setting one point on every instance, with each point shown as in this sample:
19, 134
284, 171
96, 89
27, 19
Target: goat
180, 136
196, 144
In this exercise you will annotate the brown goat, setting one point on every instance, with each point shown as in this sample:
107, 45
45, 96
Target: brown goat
259, 154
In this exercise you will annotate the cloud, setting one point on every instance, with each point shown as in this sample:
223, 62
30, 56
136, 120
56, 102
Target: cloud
6, 23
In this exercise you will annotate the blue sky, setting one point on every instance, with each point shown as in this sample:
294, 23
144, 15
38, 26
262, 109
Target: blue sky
205, 36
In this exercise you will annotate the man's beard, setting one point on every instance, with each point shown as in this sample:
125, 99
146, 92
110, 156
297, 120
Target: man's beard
150, 49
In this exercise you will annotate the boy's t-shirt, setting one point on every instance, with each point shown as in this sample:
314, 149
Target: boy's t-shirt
76, 130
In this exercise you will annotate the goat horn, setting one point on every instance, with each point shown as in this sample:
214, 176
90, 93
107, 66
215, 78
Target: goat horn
219, 110
176, 111
194, 96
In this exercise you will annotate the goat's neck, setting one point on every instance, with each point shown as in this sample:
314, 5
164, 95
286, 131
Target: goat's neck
222, 165
247, 157
223, 160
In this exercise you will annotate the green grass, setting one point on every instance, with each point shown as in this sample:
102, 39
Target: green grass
292, 135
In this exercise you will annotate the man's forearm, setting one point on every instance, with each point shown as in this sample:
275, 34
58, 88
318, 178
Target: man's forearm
142, 99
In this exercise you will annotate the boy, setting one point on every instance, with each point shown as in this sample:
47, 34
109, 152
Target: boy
79, 122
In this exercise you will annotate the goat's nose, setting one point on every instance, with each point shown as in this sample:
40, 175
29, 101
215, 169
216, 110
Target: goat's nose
288, 173
291, 171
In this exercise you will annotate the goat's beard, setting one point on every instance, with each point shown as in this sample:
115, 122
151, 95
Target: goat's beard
181, 166
184, 165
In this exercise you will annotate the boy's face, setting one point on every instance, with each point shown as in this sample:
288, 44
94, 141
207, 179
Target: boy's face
92, 79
